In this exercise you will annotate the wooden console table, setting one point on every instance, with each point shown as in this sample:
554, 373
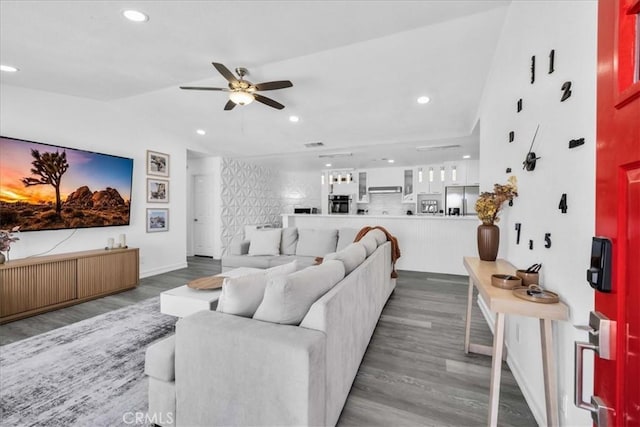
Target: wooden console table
31, 286
502, 302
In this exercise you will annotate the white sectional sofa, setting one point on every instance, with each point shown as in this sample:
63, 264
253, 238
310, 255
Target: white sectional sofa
294, 367
259, 249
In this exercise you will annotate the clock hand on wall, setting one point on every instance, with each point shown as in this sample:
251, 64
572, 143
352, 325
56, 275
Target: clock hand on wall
530, 161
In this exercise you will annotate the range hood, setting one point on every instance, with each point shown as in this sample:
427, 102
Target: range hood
375, 190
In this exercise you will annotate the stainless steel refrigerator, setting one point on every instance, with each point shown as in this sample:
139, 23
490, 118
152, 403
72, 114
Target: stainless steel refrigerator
461, 200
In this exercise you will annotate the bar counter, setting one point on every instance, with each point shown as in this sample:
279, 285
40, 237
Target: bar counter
427, 243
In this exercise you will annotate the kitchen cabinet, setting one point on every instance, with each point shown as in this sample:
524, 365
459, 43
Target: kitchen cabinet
421, 180
455, 173
436, 186
363, 197
408, 191
473, 172
385, 177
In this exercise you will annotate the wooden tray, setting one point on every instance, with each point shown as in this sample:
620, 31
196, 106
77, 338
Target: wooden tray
209, 282
547, 297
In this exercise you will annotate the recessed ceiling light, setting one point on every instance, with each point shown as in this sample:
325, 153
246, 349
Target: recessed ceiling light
201, 132
466, 156
390, 160
328, 165
423, 100
8, 68
294, 119
135, 15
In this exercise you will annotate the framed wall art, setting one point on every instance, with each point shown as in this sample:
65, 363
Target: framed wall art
157, 220
157, 163
157, 190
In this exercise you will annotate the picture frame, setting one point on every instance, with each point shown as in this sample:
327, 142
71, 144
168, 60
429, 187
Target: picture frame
157, 220
157, 190
157, 163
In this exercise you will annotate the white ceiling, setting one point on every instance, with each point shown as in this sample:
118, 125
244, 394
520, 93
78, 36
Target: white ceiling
357, 68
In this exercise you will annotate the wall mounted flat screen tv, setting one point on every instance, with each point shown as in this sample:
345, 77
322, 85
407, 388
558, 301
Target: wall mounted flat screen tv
48, 187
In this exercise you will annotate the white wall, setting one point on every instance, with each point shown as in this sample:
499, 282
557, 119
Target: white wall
300, 189
95, 126
534, 28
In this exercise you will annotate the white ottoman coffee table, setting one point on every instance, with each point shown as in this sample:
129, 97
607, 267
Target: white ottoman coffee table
183, 301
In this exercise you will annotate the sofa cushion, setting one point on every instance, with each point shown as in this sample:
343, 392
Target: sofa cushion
346, 236
316, 242
302, 261
288, 298
289, 241
159, 361
242, 295
370, 244
378, 235
265, 242
351, 256
233, 261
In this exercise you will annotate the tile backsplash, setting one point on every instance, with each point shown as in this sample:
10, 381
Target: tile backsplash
391, 204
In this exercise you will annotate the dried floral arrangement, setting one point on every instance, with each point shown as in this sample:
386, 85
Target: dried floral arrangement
489, 203
7, 238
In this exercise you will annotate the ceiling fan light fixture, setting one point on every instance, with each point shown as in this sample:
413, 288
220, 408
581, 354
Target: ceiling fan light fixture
241, 97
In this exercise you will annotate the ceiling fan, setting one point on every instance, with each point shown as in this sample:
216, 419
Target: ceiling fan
242, 91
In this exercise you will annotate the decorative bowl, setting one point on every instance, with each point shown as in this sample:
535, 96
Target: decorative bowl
505, 281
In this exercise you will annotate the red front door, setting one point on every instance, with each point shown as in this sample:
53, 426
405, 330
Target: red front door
617, 381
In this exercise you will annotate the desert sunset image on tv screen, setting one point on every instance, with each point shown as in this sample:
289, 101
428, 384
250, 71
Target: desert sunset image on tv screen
47, 187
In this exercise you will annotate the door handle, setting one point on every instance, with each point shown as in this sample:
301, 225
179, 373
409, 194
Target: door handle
579, 349
602, 333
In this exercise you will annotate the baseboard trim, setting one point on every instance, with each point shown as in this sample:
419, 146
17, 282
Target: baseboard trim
536, 410
165, 269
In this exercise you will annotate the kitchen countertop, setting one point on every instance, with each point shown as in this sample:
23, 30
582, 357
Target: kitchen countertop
412, 217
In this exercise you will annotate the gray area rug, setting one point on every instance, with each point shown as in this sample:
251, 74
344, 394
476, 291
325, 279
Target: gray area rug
89, 373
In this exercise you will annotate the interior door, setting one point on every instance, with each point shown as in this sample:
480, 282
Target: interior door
618, 203
203, 215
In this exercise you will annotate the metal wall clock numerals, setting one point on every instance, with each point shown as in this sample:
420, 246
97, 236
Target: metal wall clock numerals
563, 203
533, 69
576, 142
547, 240
518, 227
519, 105
552, 57
512, 136
566, 91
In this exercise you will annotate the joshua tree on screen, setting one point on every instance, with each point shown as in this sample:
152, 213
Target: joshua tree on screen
49, 168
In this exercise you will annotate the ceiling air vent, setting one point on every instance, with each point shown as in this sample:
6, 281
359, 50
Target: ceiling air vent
437, 147
314, 144
334, 155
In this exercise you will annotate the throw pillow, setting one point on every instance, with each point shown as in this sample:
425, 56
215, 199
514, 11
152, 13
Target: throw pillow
265, 242
287, 299
289, 241
242, 295
351, 256
369, 243
378, 235
316, 242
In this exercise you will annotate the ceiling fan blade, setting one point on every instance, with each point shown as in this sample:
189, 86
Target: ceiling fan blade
203, 88
225, 72
229, 105
268, 101
280, 84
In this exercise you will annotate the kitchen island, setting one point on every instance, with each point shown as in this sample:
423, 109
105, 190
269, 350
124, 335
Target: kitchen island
428, 243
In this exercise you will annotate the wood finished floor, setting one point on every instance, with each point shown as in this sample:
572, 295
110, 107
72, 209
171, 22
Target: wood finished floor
415, 371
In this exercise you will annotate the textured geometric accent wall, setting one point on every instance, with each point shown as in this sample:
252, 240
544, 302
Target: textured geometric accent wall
250, 195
